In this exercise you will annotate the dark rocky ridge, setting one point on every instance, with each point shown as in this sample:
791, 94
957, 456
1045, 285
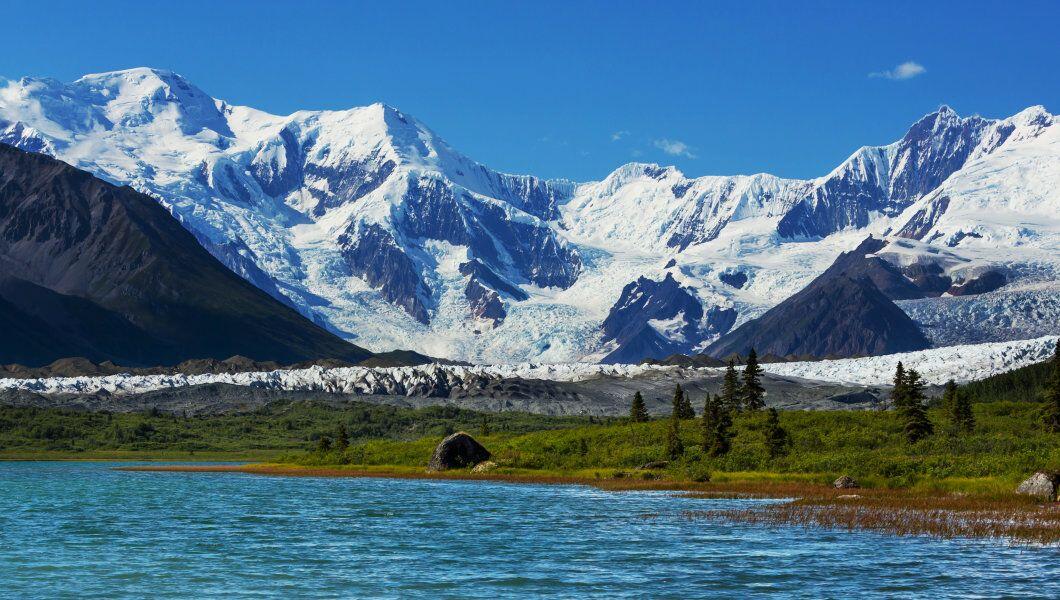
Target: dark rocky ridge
842, 313
91, 269
647, 300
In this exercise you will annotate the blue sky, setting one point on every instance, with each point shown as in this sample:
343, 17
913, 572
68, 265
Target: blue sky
574, 89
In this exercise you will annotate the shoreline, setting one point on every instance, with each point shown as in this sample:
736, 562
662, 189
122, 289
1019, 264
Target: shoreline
1004, 518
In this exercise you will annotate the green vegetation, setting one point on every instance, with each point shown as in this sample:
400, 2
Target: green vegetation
1052, 394
962, 419
1023, 384
777, 439
752, 392
730, 388
717, 426
872, 446
675, 447
908, 397
638, 412
949, 442
683, 404
278, 427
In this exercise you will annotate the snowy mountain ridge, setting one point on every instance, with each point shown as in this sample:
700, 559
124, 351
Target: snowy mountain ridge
370, 224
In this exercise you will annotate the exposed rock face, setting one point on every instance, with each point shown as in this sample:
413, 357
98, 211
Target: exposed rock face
484, 290
841, 313
1042, 484
457, 451
90, 269
987, 282
887, 180
735, 279
371, 253
845, 482
645, 307
833, 317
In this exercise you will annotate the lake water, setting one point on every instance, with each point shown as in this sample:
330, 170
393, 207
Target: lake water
85, 530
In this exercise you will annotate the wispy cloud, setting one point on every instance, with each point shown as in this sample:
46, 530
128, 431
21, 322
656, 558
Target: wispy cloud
674, 148
906, 70
619, 135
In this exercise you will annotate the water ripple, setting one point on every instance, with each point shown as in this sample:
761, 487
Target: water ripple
85, 530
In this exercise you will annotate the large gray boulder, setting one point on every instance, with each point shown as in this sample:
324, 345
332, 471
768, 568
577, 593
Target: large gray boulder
1042, 484
457, 451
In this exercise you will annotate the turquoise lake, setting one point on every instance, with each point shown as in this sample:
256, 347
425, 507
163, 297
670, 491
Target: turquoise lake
85, 530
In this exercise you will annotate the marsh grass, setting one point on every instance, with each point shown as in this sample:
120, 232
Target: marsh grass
907, 512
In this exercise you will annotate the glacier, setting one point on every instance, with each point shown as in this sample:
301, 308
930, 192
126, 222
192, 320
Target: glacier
371, 225
960, 363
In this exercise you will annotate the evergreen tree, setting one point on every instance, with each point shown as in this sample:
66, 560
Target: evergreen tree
959, 407
1052, 394
484, 426
674, 446
681, 404
687, 412
324, 444
730, 388
915, 422
753, 394
898, 394
638, 413
778, 442
717, 426
342, 438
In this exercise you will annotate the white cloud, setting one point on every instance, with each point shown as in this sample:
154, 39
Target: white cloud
674, 148
619, 135
906, 70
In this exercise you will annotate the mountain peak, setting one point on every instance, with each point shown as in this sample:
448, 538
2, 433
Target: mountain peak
137, 97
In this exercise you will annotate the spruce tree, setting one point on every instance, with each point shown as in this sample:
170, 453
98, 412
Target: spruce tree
687, 412
898, 391
324, 444
915, 422
717, 426
681, 404
959, 407
777, 440
674, 447
730, 388
638, 413
342, 438
1052, 395
753, 394
484, 426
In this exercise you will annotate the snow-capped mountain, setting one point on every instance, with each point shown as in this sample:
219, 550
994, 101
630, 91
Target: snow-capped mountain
369, 223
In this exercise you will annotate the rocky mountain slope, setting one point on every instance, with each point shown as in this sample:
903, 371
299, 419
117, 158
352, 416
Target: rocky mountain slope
368, 223
90, 269
846, 311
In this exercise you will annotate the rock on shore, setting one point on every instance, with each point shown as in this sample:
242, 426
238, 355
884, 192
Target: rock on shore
457, 451
1042, 484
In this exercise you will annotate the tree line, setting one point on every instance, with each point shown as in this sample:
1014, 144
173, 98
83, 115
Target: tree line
744, 392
